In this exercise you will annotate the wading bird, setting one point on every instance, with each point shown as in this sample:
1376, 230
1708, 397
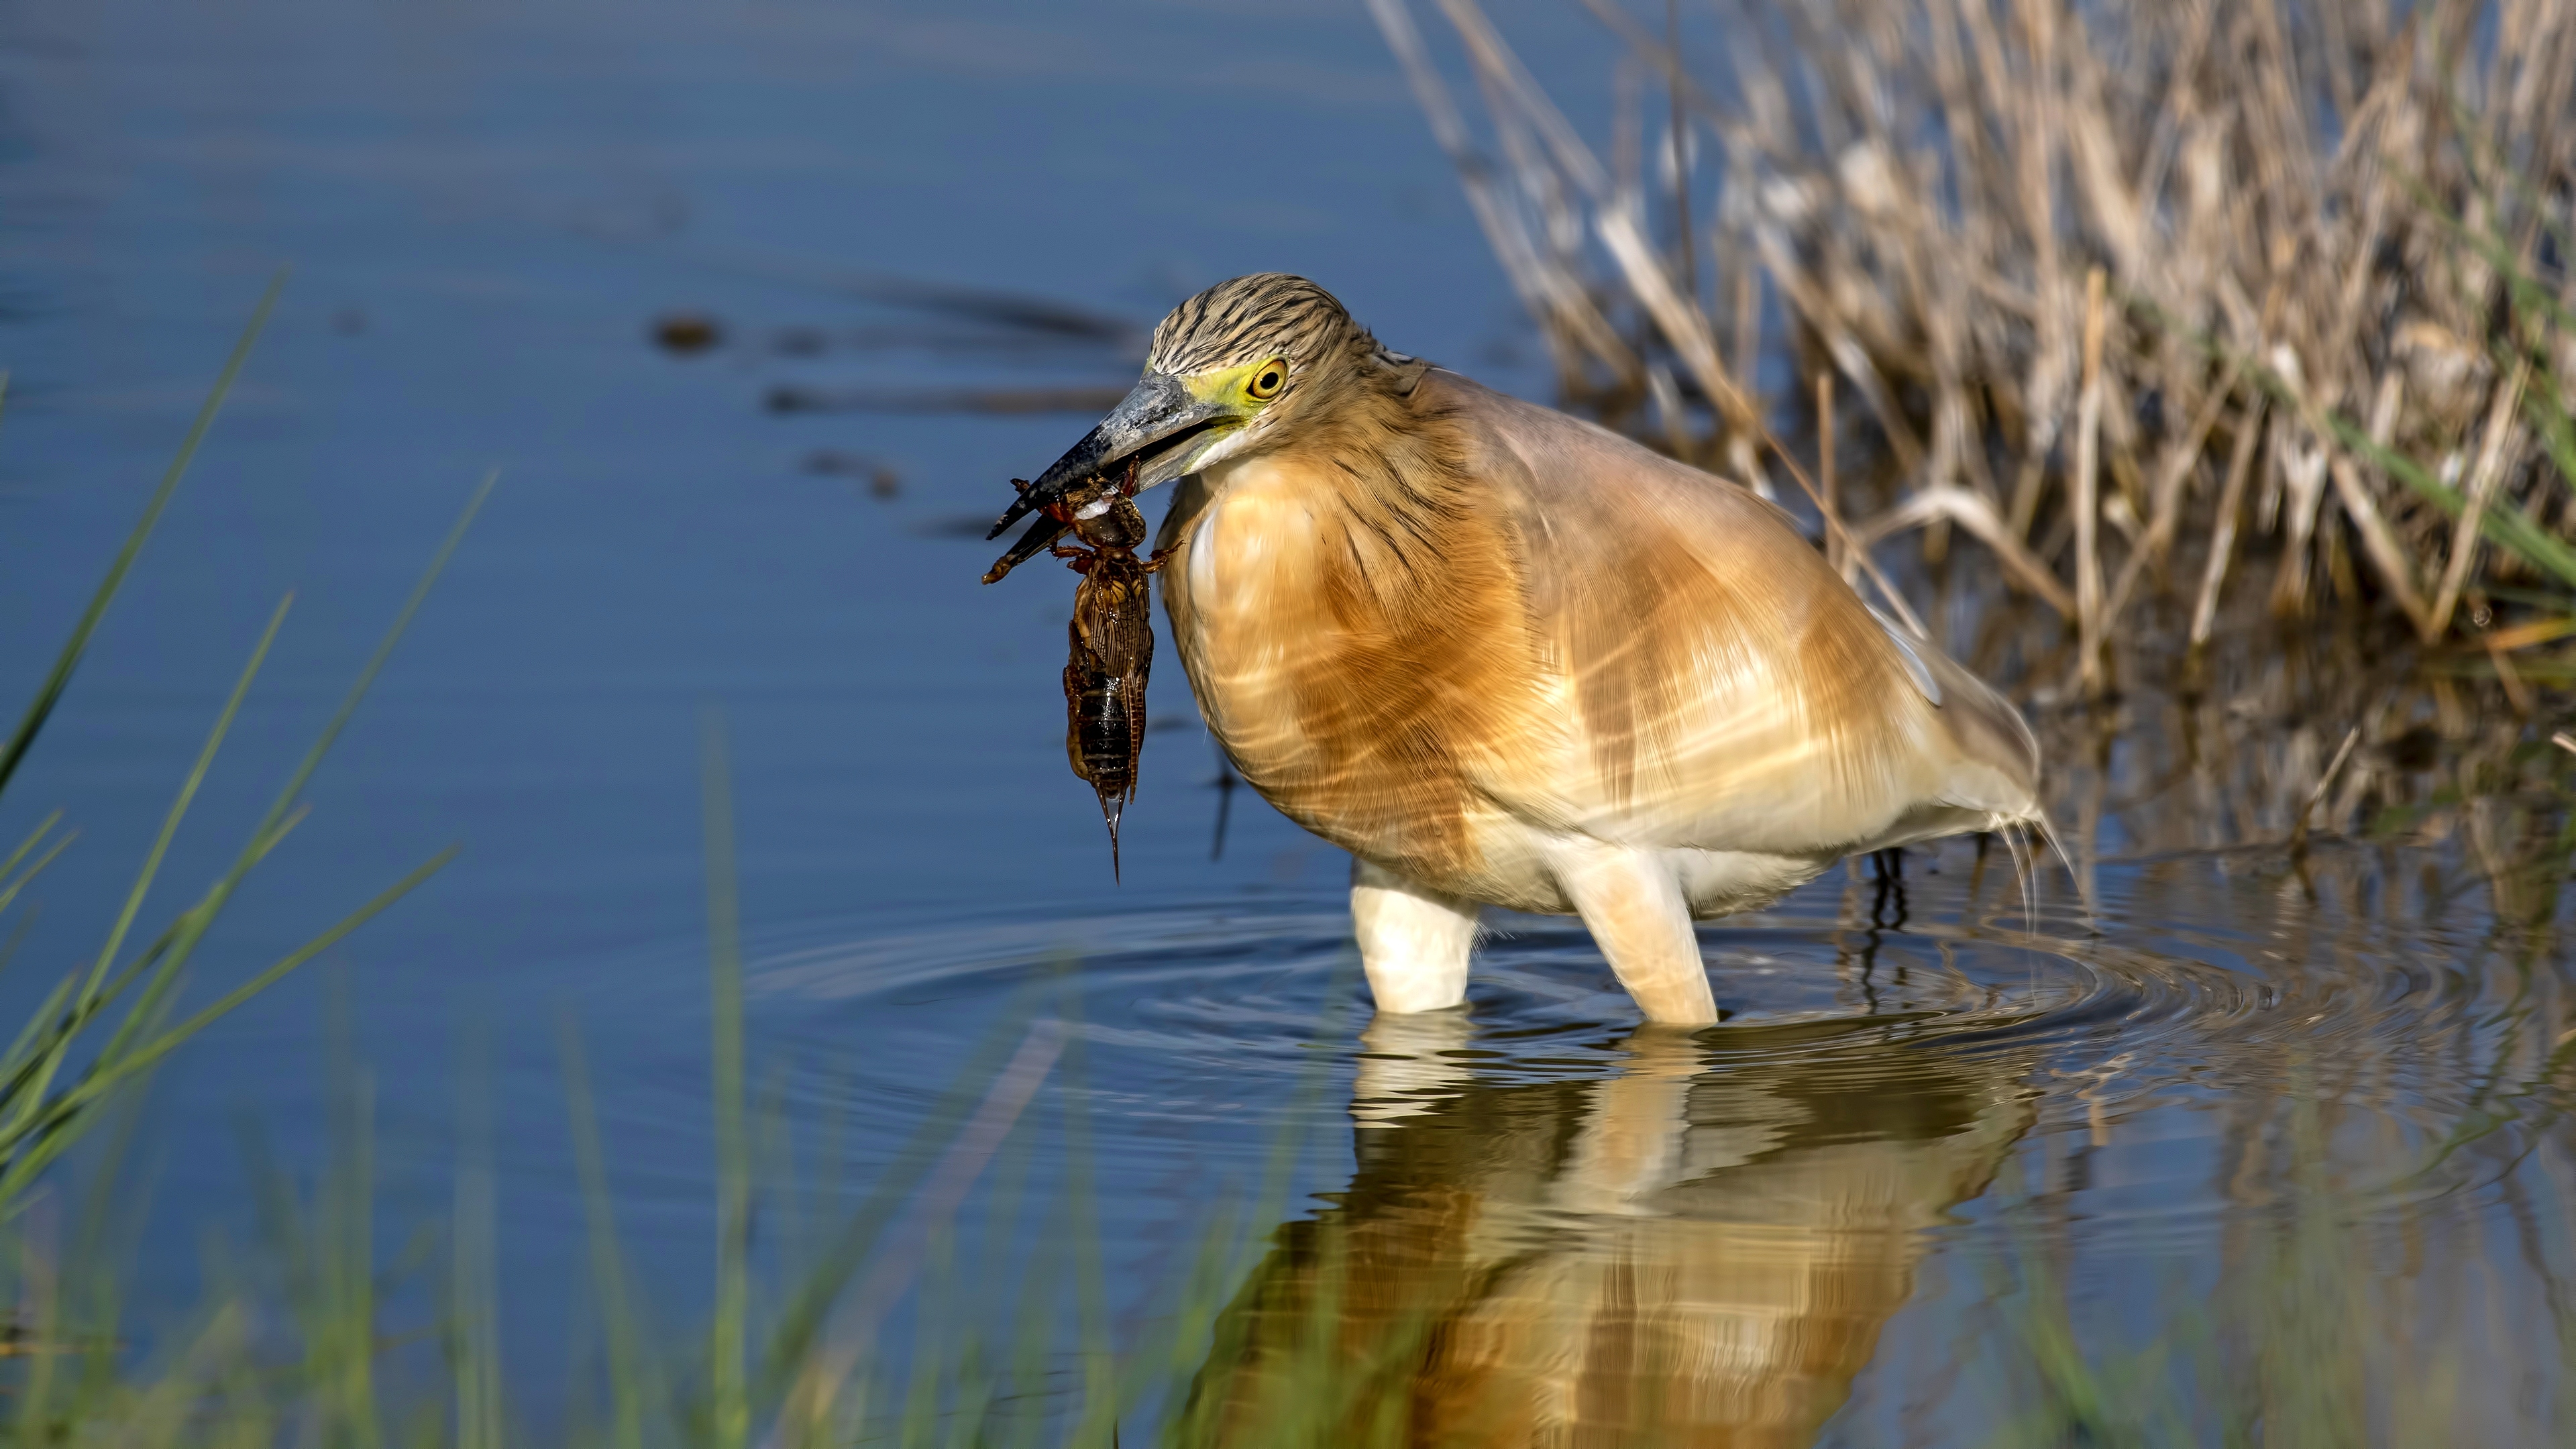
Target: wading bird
1503, 656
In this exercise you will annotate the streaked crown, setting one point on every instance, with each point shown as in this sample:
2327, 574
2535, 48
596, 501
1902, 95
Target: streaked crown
1251, 319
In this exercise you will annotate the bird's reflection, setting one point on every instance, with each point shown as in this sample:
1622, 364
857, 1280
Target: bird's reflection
1699, 1250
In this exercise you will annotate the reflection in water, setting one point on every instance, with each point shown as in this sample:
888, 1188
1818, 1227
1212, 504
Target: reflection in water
1699, 1249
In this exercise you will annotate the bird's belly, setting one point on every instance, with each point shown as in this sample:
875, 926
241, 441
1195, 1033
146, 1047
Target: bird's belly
1723, 882
1516, 873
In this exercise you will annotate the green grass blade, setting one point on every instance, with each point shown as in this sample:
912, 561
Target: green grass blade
2533, 294
18, 1070
16, 938
2557, 431
110, 1073
179, 807
801, 1321
2504, 525
340, 1337
474, 1314
626, 1367
192, 925
43, 828
730, 1405
206, 1016
44, 1018
9, 892
36, 1128
51, 691
1099, 1418
376, 662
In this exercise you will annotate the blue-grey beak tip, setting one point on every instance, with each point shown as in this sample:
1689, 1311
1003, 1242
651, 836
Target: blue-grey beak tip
1159, 410
1079, 461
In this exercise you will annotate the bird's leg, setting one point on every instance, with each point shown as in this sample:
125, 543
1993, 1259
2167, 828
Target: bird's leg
1632, 902
1414, 941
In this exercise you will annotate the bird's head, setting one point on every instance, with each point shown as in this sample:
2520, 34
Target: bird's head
1231, 370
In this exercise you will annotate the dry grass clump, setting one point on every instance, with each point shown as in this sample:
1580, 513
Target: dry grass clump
2157, 299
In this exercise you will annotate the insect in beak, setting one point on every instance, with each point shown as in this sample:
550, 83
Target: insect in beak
1111, 635
1157, 427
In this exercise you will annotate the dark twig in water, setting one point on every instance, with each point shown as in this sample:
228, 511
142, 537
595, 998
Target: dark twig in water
993, 401
1225, 783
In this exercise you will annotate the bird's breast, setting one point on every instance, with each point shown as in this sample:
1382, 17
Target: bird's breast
1359, 672
1244, 606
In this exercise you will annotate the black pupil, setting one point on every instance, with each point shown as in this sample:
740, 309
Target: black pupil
1269, 380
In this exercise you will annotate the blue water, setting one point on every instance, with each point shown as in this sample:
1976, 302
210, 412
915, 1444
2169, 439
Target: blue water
483, 210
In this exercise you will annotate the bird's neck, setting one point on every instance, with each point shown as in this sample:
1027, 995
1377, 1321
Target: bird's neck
1390, 473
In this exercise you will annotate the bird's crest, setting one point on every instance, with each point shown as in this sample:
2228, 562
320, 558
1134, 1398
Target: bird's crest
1247, 319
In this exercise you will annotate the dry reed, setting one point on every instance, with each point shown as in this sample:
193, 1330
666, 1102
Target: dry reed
2183, 302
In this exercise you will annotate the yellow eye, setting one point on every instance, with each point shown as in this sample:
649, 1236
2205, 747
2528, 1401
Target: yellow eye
1265, 382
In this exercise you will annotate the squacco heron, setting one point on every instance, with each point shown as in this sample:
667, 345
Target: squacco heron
1505, 657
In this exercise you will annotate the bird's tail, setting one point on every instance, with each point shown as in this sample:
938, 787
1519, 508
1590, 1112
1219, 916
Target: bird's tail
2018, 831
2057, 843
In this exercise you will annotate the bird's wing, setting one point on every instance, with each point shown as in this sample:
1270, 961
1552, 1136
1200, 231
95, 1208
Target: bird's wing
1710, 683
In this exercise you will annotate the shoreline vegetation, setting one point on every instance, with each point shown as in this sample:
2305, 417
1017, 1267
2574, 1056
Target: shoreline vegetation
2204, 375
76, 1054
2177, 311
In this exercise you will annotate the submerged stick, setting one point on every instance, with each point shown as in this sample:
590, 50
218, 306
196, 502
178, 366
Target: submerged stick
2167, 518
2087, 501
2316, 796
2482, 483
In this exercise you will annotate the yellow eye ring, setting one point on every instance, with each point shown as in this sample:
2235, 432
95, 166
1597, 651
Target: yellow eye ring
1266, 380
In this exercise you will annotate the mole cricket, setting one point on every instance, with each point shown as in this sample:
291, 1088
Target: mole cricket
1111, 637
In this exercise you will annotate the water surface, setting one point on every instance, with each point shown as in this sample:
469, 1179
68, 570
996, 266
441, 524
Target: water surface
1952, 1111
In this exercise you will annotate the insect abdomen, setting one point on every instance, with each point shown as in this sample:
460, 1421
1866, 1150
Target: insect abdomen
1105, 726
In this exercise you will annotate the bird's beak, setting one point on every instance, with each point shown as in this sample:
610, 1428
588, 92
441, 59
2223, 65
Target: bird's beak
1160, 424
